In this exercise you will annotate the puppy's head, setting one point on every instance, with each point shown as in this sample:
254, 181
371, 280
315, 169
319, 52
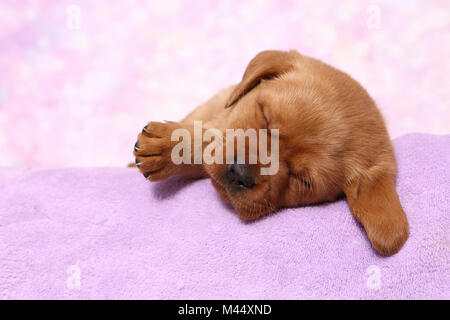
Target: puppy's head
331, 140
278, 93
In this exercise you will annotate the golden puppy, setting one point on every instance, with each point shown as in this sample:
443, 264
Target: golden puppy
332, 141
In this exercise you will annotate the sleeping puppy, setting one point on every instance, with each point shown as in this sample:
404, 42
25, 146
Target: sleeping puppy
332, 141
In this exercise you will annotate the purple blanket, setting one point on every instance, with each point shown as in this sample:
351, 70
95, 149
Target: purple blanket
109, 234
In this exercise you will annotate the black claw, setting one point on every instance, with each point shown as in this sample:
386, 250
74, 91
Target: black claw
136, 146
145, 129
146, 175
137, 162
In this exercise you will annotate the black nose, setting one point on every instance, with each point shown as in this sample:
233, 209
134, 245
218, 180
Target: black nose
239, 176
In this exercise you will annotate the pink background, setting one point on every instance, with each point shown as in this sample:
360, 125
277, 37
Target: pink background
79, 79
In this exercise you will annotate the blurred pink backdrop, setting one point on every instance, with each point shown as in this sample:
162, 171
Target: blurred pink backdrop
79, 79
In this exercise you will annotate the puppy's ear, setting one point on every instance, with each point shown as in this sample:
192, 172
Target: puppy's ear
266, 65
373, 200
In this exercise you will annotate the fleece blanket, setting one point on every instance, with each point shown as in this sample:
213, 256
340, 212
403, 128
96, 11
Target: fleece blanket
109, 234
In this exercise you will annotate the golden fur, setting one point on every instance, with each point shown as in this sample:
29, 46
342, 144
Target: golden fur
332, 141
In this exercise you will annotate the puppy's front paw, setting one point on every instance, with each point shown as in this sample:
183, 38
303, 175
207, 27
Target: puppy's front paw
153, 150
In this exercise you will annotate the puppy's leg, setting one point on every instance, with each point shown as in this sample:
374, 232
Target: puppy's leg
153, 152
373, 200
154, 146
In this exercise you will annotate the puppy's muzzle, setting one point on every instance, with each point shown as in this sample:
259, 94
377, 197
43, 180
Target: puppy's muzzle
239, 176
